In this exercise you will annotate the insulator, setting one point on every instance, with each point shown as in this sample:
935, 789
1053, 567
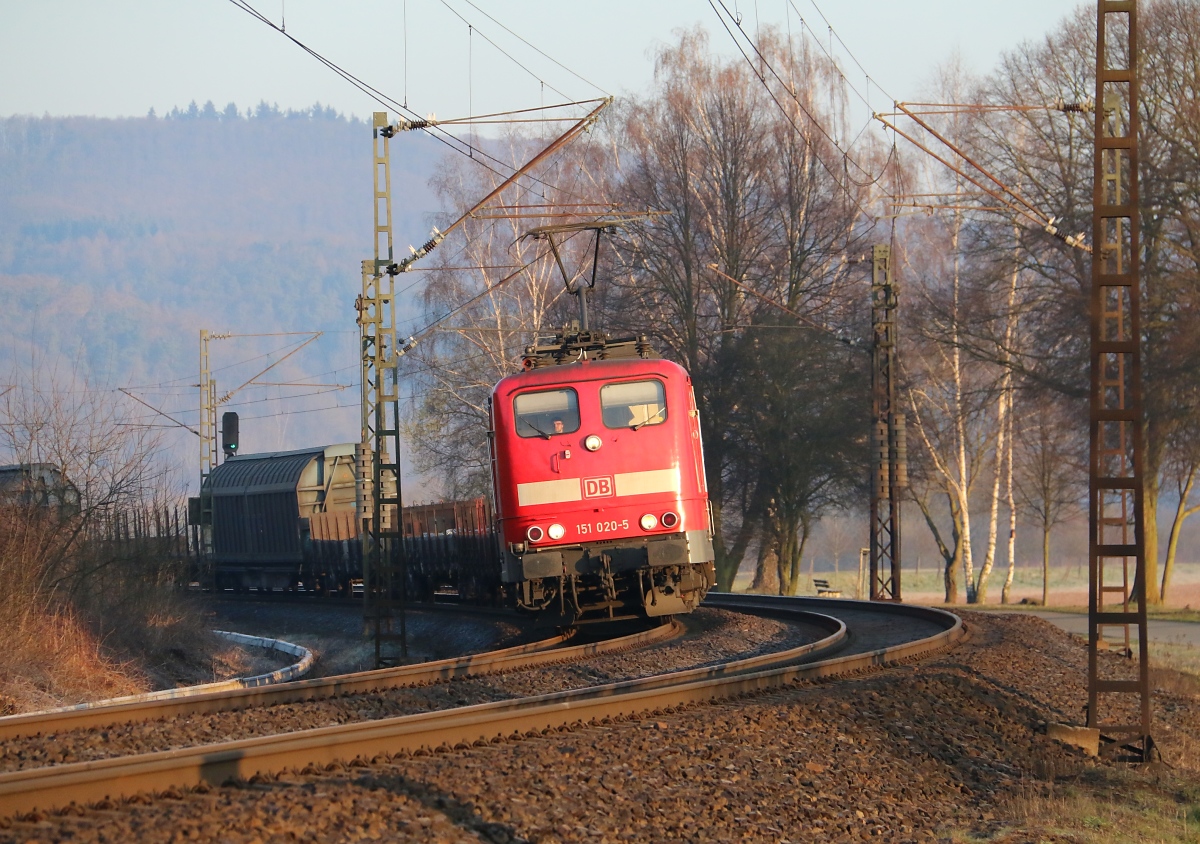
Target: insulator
408, 346
881, 440
1086, 107
426, 247
881, 479
1074, 241
880, 475
901, 452
364, 487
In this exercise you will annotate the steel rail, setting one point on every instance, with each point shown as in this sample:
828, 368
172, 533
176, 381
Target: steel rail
532, 654
52, 787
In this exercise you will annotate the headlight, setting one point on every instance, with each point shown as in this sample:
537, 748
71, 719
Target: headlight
592, 443
557, 531
534, 534
648, 522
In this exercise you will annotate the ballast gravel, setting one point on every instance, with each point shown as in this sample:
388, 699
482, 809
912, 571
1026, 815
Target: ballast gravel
906, 754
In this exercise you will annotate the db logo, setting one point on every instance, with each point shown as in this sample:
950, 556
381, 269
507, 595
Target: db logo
597, 487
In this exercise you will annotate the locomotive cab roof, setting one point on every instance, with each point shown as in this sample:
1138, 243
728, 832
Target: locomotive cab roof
589, 370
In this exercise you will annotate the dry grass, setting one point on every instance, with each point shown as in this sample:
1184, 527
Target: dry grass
82, 619
57, 660
1101, 805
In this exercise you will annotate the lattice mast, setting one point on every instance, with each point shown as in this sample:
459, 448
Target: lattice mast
1115, 494
378, 458
208, 446
889, 461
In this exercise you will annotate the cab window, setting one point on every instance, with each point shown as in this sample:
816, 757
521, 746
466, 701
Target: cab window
633, 404
546, 413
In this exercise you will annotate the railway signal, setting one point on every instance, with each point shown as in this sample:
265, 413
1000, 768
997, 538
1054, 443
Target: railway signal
229, 433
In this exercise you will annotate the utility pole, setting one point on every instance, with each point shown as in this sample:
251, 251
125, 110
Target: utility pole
1115, 493
889, 459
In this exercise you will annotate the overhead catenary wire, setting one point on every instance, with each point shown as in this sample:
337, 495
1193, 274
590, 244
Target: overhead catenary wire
536, 50
833, 34
465, 148
188, 380
559, 142
486, 291
787, 115
1002, 193
811, 323
791, 89
472, 28
246, 402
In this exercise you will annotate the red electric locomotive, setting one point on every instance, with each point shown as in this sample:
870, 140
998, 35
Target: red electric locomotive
598, 469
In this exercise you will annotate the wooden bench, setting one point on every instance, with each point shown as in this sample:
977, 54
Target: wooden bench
824, 590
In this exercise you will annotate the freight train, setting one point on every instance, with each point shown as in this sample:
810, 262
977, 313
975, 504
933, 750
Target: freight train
601, 506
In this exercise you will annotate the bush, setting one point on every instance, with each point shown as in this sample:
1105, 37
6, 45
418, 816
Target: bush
88, 608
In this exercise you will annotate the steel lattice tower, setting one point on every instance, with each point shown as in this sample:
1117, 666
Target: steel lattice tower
378, 456
888, 460
1115, 495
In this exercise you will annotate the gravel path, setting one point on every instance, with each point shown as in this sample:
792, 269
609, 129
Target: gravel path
714, 636
914, 753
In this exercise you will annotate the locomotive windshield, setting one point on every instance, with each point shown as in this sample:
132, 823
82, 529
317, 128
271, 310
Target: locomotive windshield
547, 413
633, 404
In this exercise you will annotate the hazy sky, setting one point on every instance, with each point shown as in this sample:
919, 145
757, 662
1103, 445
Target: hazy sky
122, 57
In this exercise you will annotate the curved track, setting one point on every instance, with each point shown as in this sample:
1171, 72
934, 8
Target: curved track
542, 652
880, 635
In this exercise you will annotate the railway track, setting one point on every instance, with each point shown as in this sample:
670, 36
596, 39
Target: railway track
543, 652
880, 635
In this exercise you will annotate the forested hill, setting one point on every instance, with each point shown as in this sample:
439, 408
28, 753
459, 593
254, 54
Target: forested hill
120, 239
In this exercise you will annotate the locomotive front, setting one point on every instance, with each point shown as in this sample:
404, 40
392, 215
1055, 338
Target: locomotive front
599, 482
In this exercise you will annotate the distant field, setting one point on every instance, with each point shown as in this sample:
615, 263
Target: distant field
1068, 585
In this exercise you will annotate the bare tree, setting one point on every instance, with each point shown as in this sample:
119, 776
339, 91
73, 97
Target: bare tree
77, 460
756, 214
490, 293
1050, 155
1048, 470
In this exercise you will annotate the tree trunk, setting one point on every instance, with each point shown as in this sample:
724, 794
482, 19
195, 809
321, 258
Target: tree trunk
786, 548
989, 557
1150, 532
1008, 427
729, 560
766, 580
1045, 564
950, 558
1182, 511
951, 574
797, 559
962, 548
1006, 592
